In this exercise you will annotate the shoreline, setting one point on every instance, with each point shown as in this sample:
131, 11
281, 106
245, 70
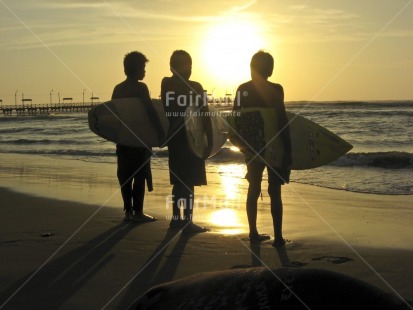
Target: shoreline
118, 261
77, 252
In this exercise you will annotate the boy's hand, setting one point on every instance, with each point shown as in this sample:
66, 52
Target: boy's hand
286, 167
286, 175
286, 161
162, 136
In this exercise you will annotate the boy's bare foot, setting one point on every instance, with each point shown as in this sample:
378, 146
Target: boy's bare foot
280, 242
177, 224
192, 228
128, 216
144, 218
258, 237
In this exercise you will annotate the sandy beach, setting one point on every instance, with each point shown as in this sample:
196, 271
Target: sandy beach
77, 253
329, 81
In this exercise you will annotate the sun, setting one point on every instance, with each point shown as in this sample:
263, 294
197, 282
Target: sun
227, 50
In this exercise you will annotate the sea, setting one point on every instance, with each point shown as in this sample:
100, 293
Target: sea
381, 132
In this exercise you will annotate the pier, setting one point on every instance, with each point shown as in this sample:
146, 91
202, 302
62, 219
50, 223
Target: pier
28, 108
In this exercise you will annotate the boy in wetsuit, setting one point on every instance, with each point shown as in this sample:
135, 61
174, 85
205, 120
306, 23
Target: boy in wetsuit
185, 169
259, 92
134, 162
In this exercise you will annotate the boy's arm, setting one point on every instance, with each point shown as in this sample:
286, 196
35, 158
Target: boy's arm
164, 90
175, 122
233, 135
206, 119
150, 110
236, 105
115, 93
284, 127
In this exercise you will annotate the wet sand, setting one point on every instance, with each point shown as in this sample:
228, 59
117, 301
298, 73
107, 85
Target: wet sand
77, 253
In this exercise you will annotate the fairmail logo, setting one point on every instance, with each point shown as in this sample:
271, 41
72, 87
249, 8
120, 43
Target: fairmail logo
197, 100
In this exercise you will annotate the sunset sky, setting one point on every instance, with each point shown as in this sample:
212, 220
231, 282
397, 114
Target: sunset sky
324, 49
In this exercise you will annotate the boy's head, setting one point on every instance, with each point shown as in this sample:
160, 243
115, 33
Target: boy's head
262, 63
181, 64
134, 65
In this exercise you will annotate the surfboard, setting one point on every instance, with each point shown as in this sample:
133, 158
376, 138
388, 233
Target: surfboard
125, 122
205, 144
262, 288
256, 131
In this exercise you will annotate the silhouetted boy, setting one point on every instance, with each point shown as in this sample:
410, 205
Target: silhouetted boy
259, 92
186, 169
134, 162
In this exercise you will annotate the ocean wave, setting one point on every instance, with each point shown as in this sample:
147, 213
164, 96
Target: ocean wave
64, 152
226, 155
51, 117
160, 153
385, 160
19, 130
44, 142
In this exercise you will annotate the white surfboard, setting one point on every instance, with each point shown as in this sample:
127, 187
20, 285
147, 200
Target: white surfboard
256, 130
197, 135
125, 122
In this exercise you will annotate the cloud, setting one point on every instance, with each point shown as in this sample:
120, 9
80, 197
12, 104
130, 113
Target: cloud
243, 7
328, 16
298, 7
179, 10
397, 34
309, 24
141, 14
64, 22
69, 5
125, 9
311, 15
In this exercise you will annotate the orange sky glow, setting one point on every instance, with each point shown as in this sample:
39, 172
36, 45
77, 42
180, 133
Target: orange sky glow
323, 49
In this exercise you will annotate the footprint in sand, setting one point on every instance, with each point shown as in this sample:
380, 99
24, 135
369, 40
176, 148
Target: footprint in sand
241, 266
287, 264
334, 259
294, 264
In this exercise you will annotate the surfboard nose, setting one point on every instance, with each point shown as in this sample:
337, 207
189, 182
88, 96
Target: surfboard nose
347, 147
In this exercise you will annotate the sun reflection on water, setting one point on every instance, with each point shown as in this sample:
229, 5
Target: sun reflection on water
227, 222
227, 218
231, 180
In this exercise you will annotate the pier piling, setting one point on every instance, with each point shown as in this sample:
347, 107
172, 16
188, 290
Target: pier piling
45, 109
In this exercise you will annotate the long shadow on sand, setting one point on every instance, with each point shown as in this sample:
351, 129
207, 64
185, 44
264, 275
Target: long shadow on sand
64, 276
158, 268
256, 261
